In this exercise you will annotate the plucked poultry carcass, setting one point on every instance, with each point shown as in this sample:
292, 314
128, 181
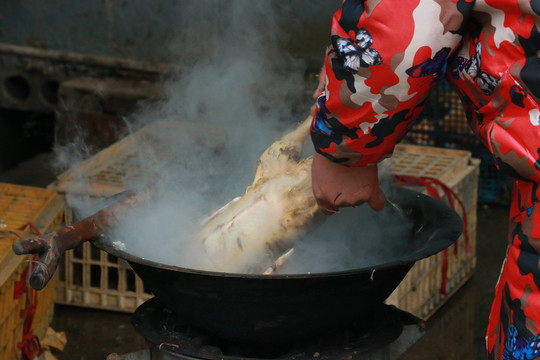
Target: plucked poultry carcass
252, 232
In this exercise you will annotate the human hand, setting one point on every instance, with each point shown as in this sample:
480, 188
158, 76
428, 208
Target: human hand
336, 186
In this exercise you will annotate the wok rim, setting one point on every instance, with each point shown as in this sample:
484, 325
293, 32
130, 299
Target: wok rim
448, 237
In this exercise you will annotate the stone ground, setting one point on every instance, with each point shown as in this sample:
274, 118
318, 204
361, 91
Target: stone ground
456, 331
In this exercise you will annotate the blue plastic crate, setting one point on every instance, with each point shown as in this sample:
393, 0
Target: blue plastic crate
493, 185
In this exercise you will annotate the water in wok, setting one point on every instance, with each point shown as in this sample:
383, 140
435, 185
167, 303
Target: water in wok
282, 308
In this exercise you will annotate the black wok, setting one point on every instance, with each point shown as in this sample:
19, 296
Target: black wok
271, 309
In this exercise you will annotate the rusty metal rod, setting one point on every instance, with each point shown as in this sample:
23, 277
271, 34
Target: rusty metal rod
51, 246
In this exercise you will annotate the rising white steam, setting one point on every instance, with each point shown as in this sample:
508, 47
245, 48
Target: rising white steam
231, 96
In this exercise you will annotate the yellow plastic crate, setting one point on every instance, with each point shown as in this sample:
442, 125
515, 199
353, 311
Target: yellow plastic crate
87, 276
19, 206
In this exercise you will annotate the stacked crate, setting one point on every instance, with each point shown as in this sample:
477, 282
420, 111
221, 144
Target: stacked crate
422, 291
87, 276
21, 206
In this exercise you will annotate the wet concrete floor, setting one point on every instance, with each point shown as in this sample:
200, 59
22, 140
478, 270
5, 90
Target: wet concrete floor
456, 331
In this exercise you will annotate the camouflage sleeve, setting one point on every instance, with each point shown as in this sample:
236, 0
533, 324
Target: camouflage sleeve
497, 74
509, 123
385, 57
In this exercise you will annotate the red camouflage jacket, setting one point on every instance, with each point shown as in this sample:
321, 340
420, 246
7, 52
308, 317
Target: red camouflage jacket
386, 56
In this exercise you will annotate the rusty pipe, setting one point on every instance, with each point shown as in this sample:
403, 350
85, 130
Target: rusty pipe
51, 246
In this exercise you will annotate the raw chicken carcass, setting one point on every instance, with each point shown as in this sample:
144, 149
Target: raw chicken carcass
249, 233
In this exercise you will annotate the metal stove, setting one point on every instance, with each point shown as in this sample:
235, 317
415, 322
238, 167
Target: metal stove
384, 335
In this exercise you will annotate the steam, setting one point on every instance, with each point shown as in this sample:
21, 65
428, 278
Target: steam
233, 94
356, 238
238, 85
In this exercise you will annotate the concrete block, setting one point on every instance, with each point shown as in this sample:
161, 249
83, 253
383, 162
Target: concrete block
93, 110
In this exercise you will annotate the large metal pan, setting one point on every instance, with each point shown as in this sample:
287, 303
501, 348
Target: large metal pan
272, 309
